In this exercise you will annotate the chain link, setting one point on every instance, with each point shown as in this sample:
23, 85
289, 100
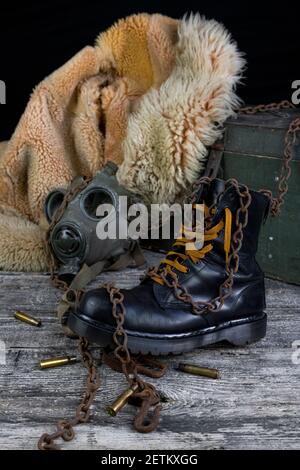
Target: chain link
146, 395
146, 365
75, 188
289, 142
265, 108
65, 428
241, 221
180, 292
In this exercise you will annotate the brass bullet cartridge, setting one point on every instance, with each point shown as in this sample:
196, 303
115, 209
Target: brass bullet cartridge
121, 401
57, 362
22, 316
196, 370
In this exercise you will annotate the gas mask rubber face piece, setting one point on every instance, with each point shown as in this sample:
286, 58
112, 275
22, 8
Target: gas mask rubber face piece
73, 239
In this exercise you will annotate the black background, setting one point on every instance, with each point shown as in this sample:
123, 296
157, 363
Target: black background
39, 36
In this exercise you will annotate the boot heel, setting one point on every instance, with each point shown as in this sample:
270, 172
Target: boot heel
248, 333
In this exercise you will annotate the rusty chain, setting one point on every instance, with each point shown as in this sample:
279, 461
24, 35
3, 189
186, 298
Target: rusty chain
289, 142
65, 428
180, 292
146, 396
146, 365
225, 288
75, 188
285, 172
265, 108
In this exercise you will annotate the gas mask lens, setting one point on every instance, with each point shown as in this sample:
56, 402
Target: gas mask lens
95, 198
67, 241
53, 202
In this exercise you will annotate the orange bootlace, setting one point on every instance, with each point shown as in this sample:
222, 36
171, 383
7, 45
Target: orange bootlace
180, 253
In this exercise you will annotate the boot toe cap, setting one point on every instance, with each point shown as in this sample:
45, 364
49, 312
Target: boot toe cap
95, 305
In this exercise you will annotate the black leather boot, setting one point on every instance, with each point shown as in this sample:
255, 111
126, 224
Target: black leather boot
193, 298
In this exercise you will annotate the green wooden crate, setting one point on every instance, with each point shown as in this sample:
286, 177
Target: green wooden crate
253, 149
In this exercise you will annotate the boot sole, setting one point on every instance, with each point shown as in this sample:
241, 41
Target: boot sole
237, 332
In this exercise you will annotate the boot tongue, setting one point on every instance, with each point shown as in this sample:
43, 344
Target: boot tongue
229, 199
211, 193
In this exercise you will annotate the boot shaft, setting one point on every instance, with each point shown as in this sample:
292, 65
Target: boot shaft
228, 198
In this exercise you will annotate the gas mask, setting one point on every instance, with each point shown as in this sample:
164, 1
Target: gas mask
73, 239
73, 216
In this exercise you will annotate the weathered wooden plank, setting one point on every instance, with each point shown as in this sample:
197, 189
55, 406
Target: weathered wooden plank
111, 438
255, 404
34, 291
254, 385
36, 294
283, 310
283, 329
246, 435
259, 390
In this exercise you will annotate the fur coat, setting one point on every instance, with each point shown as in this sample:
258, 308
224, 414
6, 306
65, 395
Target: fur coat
151, 95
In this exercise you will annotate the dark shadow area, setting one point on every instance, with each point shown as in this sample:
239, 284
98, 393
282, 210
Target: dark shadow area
37, 37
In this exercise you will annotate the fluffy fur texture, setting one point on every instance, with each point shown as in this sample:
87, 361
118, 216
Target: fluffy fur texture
151, 95
167, 138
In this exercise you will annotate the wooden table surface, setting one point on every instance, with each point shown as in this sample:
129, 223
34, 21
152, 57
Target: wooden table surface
255, 404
